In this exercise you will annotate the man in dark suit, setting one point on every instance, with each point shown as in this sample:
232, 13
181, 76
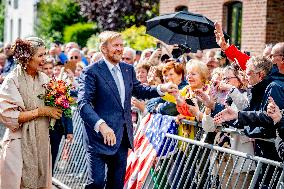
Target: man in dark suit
104, 98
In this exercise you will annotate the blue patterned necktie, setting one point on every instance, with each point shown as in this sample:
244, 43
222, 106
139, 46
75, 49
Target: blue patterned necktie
115, 77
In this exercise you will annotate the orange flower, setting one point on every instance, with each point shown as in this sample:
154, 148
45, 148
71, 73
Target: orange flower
60, 99
61, 89
51, 84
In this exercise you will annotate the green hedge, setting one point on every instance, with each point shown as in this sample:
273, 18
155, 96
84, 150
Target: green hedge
79, 33
93, 42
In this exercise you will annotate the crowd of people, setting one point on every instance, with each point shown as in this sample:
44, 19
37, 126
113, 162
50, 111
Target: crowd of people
217, 87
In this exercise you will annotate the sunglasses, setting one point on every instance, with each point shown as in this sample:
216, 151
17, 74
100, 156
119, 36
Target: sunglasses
74, 57
126, 58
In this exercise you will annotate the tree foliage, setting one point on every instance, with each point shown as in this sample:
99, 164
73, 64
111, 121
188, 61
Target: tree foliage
136, 38
54, 15
79, 33
2, 17
118, 14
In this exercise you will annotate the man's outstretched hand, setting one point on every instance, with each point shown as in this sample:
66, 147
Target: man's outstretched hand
169, 87
227, 114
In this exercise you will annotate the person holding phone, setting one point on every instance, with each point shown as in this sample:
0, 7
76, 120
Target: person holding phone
197, 78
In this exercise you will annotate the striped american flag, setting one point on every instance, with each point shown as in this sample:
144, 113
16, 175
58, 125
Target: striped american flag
148, 142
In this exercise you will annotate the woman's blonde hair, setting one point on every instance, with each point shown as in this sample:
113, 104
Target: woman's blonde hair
200, 67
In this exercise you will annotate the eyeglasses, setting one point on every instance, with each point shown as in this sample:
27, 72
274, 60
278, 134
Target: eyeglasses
228, 78
74, 57
274, 55
249, 73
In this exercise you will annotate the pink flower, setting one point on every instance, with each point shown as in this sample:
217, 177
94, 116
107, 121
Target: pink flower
65, 104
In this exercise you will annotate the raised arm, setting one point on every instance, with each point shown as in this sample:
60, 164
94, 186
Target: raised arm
231, 51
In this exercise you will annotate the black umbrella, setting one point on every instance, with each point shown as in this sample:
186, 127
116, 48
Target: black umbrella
193, 30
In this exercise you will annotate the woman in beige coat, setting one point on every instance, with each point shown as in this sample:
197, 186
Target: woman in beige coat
25, 160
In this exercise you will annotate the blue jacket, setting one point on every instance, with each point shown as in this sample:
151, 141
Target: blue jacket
64, 125
275, 89
98, 98
63, 58
9, 66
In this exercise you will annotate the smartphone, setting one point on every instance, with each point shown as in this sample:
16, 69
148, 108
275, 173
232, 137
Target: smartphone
158, 45
189, 102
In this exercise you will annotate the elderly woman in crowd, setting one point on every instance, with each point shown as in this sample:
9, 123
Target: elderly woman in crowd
26, 161
197, 78
189, 107
184, 101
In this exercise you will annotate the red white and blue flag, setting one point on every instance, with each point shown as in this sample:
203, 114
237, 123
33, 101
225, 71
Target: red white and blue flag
148, 142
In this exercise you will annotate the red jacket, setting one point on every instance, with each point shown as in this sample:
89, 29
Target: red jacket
234, 53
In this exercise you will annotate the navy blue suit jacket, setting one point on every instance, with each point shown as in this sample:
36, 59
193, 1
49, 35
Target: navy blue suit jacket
98, 98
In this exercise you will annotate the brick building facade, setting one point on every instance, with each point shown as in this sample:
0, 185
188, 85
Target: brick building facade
262, 21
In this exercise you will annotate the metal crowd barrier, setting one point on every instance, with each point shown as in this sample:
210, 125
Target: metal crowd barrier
200, 165
226, 130
70, 167
194, 164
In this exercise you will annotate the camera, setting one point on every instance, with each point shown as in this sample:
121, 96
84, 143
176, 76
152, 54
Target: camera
182, 48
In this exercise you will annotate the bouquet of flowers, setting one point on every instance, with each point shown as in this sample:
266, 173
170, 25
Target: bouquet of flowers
57, 95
